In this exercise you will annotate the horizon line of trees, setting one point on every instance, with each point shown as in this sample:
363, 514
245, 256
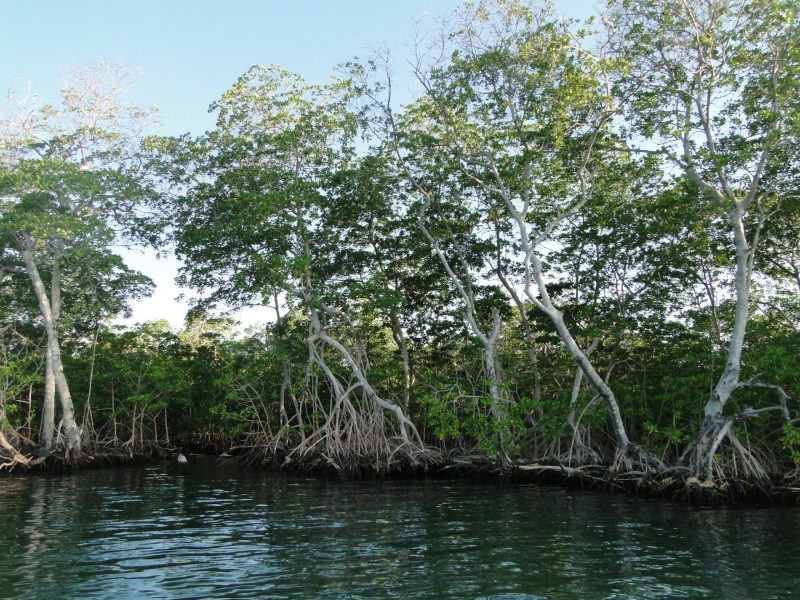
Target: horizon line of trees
578, 244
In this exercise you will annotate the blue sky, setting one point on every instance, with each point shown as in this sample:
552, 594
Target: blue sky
190, 51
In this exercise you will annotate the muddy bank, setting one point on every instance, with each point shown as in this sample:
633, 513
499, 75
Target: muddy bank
672, 484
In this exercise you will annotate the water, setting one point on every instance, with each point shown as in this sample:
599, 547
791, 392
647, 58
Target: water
203, 531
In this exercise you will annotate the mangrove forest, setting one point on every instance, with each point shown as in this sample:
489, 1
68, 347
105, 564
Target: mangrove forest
554, 248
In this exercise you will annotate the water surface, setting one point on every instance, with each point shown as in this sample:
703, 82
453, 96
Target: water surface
206, 531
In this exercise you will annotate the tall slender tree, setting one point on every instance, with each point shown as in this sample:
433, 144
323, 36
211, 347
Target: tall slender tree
716, 85
66, 179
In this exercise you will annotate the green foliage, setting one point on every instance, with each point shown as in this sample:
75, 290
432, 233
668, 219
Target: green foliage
790, 441
458, 418
309, 198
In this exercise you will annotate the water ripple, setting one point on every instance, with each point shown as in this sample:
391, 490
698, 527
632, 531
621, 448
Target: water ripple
203, 532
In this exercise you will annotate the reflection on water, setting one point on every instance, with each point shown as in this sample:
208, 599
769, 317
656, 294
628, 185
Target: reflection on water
205, 531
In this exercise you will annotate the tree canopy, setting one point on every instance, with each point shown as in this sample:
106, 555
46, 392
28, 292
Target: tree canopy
576, 245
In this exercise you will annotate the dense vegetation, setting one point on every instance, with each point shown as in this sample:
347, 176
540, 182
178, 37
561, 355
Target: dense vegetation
577, 245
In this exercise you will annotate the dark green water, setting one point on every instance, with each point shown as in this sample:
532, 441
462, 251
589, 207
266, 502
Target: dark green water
208, 532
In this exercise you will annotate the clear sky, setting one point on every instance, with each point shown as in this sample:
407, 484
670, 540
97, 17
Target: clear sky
190, 51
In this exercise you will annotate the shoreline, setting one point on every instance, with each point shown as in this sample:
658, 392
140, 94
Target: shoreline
667, 485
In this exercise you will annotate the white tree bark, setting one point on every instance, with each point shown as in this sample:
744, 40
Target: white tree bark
488, 340
736, 205
535, 288
540, 297
318, 333
71, 429
527, 332
576, 390
400, 341
715, 426
49, 405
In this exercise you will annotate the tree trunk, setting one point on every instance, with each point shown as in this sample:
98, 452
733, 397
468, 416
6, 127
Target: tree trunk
594, 378
576, 386
400, 341
404, 425
493, 371
489, 341
578, 444
71, 429
715, 426
14, 456
49, 406
285, 383
114, 416
527, 331
534, 275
